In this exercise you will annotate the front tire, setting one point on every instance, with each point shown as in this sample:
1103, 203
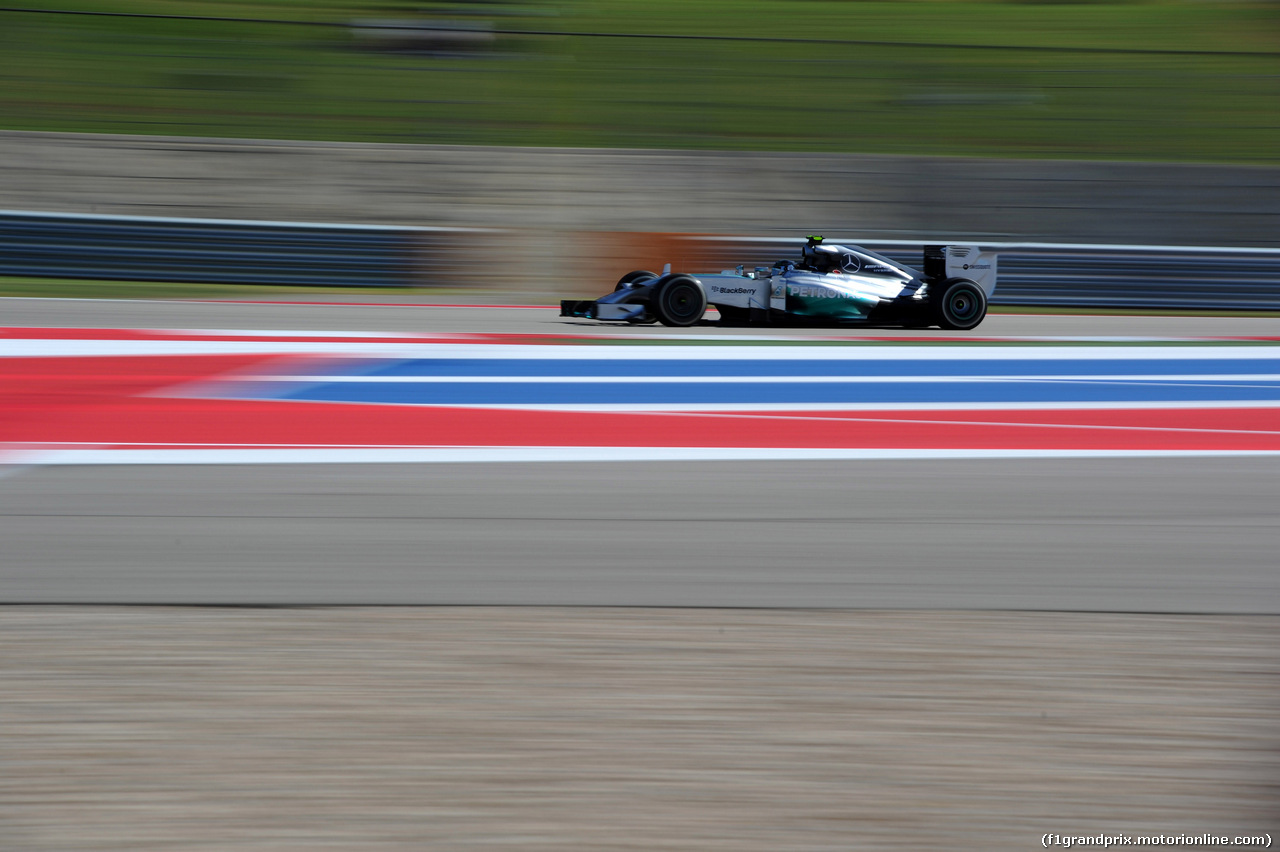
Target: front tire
961, 305
679, 301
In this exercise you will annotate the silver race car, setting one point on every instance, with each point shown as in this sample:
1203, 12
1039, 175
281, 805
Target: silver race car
830, 285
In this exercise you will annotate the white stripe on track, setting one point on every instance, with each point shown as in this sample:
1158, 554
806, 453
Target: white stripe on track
44, 348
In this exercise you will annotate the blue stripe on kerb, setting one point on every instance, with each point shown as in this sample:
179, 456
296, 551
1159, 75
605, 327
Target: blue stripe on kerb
782, 393
656, 368
692, 382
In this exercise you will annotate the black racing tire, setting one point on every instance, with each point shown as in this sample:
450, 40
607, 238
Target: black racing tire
678, 300
961, 304
625, 282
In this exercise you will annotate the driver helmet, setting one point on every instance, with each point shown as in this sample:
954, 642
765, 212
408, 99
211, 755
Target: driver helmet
831, 259
819, 258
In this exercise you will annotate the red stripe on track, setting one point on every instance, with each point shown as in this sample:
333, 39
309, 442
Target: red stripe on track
216, 422
75, 334
44, 398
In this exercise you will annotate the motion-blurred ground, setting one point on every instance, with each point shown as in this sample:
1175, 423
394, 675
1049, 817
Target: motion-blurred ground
629, 729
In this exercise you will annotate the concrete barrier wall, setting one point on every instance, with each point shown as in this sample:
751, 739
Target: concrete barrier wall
148, 248
557, 192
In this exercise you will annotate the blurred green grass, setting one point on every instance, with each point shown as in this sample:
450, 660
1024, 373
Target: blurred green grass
1054, 96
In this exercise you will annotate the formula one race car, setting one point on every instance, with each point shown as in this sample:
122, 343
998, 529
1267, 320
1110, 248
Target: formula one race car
830, 285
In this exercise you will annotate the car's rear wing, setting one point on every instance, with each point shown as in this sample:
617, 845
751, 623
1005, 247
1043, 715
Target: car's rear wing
942, 262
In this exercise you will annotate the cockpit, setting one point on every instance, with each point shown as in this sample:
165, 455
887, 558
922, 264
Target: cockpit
836, 260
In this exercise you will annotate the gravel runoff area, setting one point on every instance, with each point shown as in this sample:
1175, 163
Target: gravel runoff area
611, 729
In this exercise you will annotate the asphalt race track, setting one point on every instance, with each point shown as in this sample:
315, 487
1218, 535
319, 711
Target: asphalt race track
1184, 532
825, 596
477, 314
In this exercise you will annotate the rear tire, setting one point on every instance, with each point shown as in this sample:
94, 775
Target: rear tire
961, 305
679, 301
631, 278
